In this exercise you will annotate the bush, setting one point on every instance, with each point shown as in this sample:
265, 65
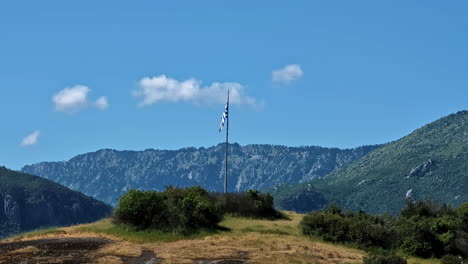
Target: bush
384, 259
173, 209
190, 208
249, 204
450, 259
423, 229
362, 229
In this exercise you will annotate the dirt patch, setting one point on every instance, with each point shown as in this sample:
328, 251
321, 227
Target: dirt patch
147, 257
57, 250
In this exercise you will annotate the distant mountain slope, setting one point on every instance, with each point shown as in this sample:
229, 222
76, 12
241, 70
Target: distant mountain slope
107, 174
300, 198
431, 162
29, 202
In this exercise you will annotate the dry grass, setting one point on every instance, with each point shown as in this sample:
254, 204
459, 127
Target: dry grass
280, 227
109, 260
25, 250
257, 241
258, 248
121, 248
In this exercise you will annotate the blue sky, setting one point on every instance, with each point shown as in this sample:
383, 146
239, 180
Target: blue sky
152, 74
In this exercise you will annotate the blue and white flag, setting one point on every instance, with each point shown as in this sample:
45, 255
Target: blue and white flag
225, 115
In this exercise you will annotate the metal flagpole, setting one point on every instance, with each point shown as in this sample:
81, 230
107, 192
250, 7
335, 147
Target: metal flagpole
227, 145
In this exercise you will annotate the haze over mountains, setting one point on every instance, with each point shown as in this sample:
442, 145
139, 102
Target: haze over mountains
107, 174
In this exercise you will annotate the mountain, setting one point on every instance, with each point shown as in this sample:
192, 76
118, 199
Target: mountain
431, 162
29, 202
107, 174
300, 198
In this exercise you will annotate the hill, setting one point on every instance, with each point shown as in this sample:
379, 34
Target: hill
300, 198
431, 162
107, 174
241, 240
29, 202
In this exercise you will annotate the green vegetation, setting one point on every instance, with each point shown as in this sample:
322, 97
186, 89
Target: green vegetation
383, 257
248, 204
259, 240
301, 198
360, 228
186, 210
430, 163
103, 173
175, 209
450, 259
29, 202
127, 232
423, 229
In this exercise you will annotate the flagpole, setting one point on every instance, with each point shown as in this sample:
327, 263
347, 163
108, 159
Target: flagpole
227, 145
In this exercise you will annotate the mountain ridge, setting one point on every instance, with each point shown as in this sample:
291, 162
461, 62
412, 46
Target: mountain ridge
106, 174
429, 163
29, 202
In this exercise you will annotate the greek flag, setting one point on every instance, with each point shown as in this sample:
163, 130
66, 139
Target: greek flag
224, 117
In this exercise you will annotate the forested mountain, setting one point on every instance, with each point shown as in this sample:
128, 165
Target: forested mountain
431, 162
29, 202
107, 174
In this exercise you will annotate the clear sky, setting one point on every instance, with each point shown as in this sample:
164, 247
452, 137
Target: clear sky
78, 76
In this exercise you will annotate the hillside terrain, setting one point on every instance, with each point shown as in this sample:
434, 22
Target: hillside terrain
241, 240
29, 202
107, 174
431, 162
301, 198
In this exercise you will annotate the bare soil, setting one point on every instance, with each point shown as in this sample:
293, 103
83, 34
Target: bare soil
56, 250
66, 250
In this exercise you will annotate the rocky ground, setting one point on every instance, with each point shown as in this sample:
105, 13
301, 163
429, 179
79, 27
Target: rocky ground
70, 250
75, 250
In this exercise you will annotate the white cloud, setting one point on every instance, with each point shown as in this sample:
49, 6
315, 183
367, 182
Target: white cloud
73, 99
164, 89
101, 103
30, 139
288, 74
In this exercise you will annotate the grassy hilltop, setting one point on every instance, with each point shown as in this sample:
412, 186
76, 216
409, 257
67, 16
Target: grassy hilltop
252, 240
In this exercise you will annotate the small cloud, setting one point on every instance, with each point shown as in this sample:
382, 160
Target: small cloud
30, 139
164, 89
101, 103
71, 99
74, 99
289, 73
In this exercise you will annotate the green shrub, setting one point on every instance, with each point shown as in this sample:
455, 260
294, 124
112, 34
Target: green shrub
450, 259
172, 209
190, 208
423, 229
384, 259
248, 204
362, 229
